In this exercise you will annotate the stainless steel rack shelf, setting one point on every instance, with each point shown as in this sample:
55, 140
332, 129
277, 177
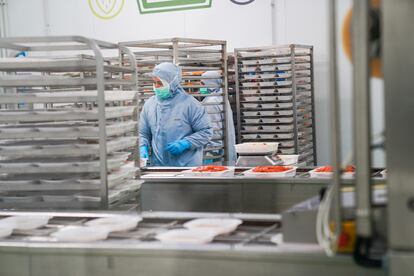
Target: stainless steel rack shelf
274, 96
194, 56
68, 128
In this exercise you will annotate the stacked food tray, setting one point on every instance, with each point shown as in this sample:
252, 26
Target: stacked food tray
67, 124
195, 57
275, 97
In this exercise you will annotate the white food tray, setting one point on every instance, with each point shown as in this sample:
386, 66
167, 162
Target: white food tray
219, 226
250, 136
252, 99
267, 106
115, 224
252, 121
246, 105
289, 173
250, 113
186, 237
259, 148
80, 234
227, 173
26, 222
289, 160
251, 128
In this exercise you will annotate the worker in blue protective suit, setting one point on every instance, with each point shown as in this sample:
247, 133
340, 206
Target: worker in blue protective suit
173, 125
214, 107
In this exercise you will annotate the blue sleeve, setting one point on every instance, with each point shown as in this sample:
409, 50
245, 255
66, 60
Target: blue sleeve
200, 123
145, 135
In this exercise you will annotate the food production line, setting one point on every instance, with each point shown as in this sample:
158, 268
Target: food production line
363, 224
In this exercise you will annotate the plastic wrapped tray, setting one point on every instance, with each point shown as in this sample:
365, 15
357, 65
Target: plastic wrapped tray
289, 173
229, 172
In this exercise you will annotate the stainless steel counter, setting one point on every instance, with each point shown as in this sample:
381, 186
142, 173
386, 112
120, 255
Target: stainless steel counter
165, 190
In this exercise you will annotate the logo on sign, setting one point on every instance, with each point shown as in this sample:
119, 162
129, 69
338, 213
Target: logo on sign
155, 6
106, 9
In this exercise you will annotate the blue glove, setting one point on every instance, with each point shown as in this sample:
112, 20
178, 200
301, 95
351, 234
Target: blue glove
143, 152
178, 147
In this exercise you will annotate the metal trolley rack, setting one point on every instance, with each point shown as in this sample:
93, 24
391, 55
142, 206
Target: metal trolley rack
275, 98
195, 57
68, 124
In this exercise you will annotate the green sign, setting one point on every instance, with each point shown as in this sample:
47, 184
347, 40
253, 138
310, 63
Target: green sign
156, 6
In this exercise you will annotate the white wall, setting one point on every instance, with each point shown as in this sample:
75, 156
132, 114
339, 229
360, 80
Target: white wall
297, 21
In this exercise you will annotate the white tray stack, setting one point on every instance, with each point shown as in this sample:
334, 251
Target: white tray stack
195, 57
275, 98
67, 124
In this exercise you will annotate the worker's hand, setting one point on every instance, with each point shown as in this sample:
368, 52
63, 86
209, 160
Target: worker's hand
143, 152
178, 147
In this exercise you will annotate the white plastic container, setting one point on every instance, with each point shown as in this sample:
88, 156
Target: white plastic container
249, 136
6, 229
252, 121
259, 148
269, 98
220, 226
115, 224
285, 113
265, 68
267, 113
80, 234
26, 222
284, 105
284, 90
314, 174
267, 136
268, 120
250, 84
250, 105
269, 128
251, 128
250, 113
289, 160
252, 99
267, 105
58, 198
249, 92
267, 84
229, 172
186, 237
267, 91
289, 173
20, 199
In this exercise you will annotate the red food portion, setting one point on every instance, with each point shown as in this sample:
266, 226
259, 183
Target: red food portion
326, 169
350, 169
210, 169
271, 169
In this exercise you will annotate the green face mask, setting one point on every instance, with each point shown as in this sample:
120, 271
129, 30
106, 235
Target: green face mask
204, 91
162, 93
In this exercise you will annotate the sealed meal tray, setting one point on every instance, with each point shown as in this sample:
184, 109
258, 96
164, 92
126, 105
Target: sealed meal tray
327, 172
210, 171
271, 171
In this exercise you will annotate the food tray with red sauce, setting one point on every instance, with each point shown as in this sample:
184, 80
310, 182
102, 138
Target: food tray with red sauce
271, 171
210, 171
327, 172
